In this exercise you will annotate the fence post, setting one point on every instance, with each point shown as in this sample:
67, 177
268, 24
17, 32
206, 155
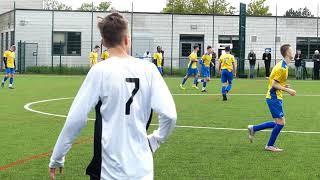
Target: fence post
60, 70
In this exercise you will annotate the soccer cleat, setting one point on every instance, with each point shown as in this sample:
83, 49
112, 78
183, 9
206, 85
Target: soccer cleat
194, 86
224, 97
11, 87
251, 133
204, 91
273, 149
2, 84
181, 87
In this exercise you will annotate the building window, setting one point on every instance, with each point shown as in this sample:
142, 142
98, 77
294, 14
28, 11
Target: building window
230, 39
66, 44
308, 45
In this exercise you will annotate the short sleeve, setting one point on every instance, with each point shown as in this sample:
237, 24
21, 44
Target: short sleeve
232, 59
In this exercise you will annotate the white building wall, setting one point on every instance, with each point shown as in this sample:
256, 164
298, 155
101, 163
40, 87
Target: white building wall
151, 30
8, 5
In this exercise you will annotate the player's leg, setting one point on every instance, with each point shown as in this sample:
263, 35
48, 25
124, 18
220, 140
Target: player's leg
6, 76
274, 106
11, 78
280, 122
224, 81
230, 79
184, 80
196, 76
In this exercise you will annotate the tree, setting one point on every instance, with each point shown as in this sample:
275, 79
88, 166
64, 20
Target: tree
222, 7
55, 5
87, 7
199, 7
104, 6
258, 8
301, 12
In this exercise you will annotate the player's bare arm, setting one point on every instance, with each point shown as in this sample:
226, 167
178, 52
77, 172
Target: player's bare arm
277, 85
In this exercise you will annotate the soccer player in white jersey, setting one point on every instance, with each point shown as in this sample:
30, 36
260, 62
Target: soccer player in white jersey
123, 90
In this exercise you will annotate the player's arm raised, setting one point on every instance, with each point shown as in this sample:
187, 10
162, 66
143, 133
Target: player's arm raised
87, 97
163, 104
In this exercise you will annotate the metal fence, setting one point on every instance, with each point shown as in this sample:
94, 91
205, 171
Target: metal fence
65, 38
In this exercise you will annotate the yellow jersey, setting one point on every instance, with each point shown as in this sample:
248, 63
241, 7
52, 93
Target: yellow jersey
193, 57
10, 55
93, 58
226, 61
207, 59
105, 55
280, 74
158, 57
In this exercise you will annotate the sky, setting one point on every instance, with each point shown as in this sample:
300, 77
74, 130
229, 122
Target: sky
158, 5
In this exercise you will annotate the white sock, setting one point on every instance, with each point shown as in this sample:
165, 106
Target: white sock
10, 85
203, 88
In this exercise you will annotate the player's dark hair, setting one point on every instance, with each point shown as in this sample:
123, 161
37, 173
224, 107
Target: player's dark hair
227, 49
195, 46
96, 47
112, 29
284, 48
209, 47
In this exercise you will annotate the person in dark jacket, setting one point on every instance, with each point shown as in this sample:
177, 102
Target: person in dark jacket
267, 61
297, 62
252, 61
316, 61
213, 64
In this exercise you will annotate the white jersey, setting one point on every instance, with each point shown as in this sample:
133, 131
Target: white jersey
123, 90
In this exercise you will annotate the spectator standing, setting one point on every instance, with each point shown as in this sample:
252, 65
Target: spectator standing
267, 61
252, 61
316, 61
298, 64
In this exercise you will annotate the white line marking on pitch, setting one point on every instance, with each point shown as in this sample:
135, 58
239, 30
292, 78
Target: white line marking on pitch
28, 107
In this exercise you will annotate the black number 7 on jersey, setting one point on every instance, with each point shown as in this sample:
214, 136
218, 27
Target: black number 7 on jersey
134, 92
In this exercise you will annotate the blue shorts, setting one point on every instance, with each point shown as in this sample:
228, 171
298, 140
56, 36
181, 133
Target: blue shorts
160, 70
205, 72
10, 71
192, 71
226, 76
275, 107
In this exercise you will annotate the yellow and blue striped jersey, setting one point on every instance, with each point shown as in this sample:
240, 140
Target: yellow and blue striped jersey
193, 57
207, 59
105, 55
93, 58
280, 74
10, 55
158, 57
226, 61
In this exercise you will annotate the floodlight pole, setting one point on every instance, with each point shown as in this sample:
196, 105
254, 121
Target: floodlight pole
275, 39
318, 26
91, 26
131, 51
171, 63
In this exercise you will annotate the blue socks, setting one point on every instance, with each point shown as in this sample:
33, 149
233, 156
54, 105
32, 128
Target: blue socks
184, 81
274, 134
229, 87
204, 84
195, 81
4, 79
266, 125
11, 80
223, 90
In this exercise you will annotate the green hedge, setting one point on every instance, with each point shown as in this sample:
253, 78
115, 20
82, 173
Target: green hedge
82, 70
